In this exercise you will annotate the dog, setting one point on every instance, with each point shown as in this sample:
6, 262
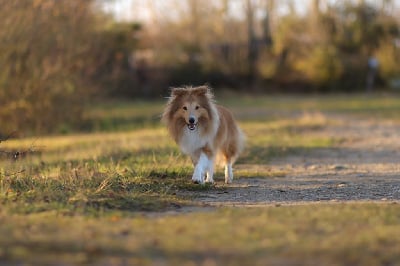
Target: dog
203, 130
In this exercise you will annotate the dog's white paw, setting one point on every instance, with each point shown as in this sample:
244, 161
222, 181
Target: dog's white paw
197, 179
209, 175
228, 180
210, 180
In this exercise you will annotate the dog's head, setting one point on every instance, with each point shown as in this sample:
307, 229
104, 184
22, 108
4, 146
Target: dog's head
189, 106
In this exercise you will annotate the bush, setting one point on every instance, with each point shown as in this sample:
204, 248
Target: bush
389, 56
47, 53
322, 65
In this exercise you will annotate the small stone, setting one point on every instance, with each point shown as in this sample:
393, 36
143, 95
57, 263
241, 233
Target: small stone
312, 167
339, 167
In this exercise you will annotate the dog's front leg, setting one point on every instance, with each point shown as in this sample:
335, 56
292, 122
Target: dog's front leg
200, 169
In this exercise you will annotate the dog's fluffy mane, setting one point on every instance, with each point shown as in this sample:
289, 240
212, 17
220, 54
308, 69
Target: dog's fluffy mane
205, 97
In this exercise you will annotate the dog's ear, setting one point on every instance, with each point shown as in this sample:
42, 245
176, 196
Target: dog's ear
202, 90
178, 92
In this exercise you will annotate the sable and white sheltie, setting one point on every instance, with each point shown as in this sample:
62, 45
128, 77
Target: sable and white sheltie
203, 130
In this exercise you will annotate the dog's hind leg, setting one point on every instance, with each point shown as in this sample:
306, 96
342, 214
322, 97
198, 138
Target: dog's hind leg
210, 171
228, 172
228, 162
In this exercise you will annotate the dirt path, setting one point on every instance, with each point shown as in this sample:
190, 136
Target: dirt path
363, 167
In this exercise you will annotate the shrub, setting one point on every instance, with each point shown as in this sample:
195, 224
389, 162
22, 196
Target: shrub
322, 65
46, 55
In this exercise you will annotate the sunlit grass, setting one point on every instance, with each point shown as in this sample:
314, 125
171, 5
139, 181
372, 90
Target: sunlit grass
74, 167
125, 115
79, 196
122, 115
278, 106
122, 170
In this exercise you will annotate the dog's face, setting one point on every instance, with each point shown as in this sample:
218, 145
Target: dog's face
192, 106
193, 112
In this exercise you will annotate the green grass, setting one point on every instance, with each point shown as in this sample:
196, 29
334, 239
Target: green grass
125, 115
325, 234
122, 115
81, 197
130, 170
364, 104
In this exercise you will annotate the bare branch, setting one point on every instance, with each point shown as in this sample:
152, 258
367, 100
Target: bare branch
15, 173
16, 154
9, 136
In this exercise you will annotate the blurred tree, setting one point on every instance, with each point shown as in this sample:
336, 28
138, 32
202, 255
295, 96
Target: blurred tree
388, 56
323, 46
197, 41
118, 73
55, 53
319, 59
252, 53
47, 53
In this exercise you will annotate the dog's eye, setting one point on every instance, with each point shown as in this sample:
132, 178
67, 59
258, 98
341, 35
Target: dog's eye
184, 108
197, 107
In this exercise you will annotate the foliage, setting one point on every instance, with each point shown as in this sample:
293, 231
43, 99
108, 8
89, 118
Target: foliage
56, 55
326, 48
322, 65
115, 72
389, 57
45, 57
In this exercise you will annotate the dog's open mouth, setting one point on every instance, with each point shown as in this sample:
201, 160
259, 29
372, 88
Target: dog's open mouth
192, 126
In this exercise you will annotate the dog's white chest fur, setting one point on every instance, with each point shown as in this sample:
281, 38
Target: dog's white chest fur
191, 141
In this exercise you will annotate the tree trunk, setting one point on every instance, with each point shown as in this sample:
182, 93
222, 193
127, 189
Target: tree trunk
252, 44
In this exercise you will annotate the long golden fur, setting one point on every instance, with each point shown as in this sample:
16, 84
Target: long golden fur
203, 130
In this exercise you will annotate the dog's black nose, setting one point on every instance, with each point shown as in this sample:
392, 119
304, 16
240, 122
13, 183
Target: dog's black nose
192, 120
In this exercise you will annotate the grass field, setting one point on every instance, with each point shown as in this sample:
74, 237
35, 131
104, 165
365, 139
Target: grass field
105, 196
